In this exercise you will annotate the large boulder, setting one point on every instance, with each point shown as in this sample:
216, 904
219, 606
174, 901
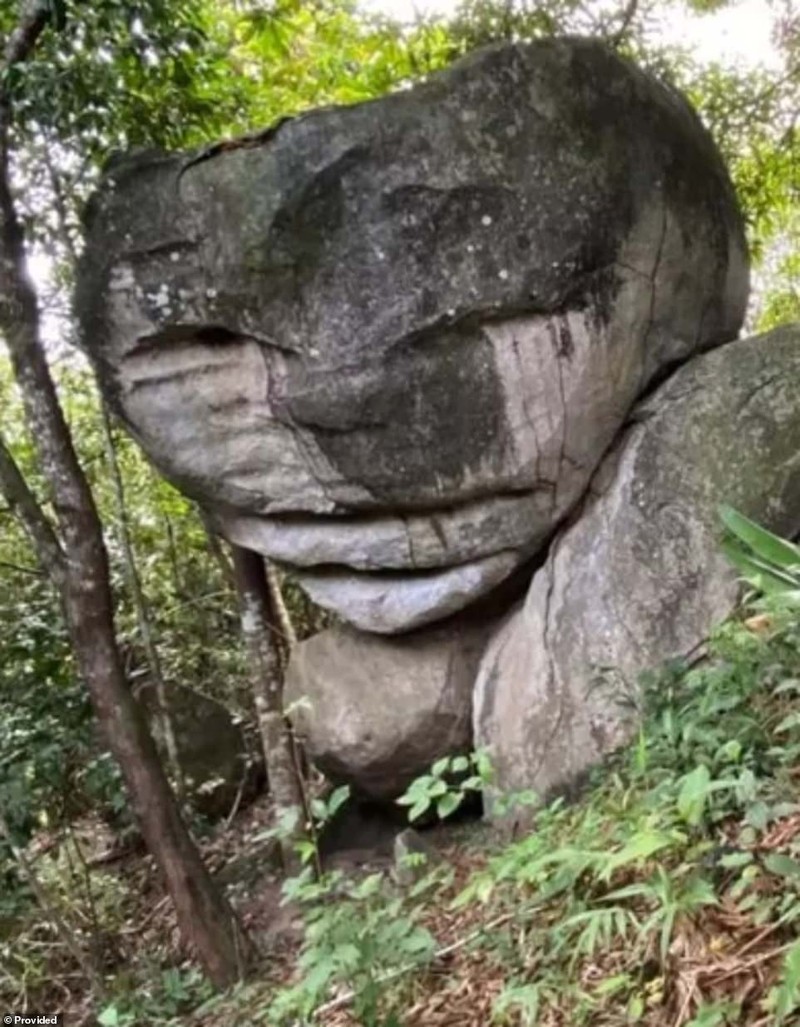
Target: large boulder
638, 577
375, 712
399, 337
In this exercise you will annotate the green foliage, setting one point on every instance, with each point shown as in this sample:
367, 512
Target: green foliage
444, 789
666, 839
354, 932
293, 55
120, 74
771, 564
784, 999
354, 929
171, 992
782, 302
53, 766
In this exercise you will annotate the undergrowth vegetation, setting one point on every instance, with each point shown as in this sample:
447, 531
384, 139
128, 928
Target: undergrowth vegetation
668, 894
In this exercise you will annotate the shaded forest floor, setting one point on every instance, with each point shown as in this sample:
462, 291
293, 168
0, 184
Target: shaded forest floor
666, 894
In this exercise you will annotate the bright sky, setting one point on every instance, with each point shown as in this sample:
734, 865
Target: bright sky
738, 34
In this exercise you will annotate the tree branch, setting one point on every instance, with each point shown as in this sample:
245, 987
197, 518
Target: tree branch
25, 505
33, 18
75, 511
34, 572
627, 18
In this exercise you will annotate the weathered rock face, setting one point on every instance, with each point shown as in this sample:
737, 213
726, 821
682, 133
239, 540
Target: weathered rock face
638, 577
213, 754
399, 337
375, 712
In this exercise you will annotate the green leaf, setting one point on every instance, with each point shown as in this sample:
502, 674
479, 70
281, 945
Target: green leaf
643, 845
337, 799
693, 795
448, 804
716, 1014
109, 1017
764, 576
782, 866
784, 999
767, 546
611, 985
735, 860
421, 806
790, 721
483, 766
636, 1008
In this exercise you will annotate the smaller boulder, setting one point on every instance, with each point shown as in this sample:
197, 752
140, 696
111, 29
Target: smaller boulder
214, 757
374, 712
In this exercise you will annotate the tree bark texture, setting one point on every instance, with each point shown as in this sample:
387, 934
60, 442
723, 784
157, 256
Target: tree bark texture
262, 637
81, 571
141, 607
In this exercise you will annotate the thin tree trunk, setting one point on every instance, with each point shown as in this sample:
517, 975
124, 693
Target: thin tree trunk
163, 709
141, 606
180, 592
281, 610
261, 631
206, 919
80, 569
216, 550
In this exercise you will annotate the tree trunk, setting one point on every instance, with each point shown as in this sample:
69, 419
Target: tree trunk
80, 568
216, 550
281, 610
141, 607
261, 631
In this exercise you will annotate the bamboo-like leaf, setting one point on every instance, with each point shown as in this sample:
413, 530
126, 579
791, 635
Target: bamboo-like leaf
765, 544
640, 847
764, 576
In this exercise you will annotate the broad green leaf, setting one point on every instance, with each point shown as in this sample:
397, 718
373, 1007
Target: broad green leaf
694, 794
337, 799
764, 576
448, 804
735, 860
764, 544
420, 807
782, 866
